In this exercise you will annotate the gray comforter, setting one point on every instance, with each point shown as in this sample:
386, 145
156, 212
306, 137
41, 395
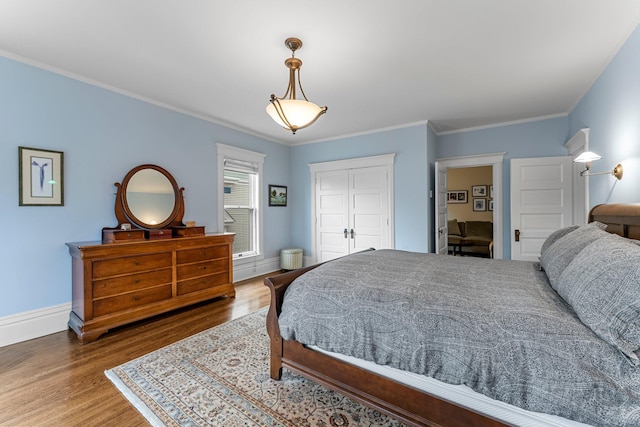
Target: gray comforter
493, 325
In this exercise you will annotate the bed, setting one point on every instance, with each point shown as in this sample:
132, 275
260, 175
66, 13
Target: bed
578, 364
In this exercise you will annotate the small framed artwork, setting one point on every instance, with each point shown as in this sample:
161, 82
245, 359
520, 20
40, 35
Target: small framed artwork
277, 195
40, 174
479, 190
491, 205
457, 196
491, 191
479, 205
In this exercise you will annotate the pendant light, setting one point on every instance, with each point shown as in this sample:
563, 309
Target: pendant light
287, 111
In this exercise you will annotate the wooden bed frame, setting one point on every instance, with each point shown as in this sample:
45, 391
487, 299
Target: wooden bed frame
404, 403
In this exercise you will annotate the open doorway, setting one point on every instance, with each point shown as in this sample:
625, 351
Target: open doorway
470, 211
494, 160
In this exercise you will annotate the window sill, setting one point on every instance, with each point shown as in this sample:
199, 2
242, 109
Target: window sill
246, 259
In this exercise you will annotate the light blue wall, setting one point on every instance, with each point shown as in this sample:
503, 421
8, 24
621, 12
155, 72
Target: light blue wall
542, 138
103, 135
411, 182
611, 110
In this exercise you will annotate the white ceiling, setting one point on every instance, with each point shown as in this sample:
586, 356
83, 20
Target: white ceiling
376, 64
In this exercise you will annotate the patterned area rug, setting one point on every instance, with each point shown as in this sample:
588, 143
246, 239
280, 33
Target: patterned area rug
220, 377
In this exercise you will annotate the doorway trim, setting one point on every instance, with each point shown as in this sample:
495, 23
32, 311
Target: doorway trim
576, 145
495, 160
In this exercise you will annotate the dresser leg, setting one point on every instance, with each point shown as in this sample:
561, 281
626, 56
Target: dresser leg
77, 325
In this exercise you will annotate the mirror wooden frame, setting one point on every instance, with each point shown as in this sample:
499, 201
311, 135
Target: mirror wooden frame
124, 214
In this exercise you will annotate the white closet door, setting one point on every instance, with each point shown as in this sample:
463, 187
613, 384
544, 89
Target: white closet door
332, 213
368, 209
352, 202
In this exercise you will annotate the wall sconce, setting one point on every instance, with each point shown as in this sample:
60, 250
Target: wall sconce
589, 156
289, 112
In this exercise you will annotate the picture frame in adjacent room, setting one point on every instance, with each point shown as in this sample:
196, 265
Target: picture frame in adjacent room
457, 196
490, 205
479, 191
40, 177
277, 195
479, 205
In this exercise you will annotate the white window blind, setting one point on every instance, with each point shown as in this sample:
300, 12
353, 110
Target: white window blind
240, 166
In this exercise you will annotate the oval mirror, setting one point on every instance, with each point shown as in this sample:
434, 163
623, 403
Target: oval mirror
150, 197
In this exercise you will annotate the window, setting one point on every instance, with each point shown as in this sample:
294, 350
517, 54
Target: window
239, 209
240, 199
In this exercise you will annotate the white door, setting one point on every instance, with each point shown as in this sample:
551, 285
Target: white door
332, 214
541, 202
441, 209
368, 209
352, 211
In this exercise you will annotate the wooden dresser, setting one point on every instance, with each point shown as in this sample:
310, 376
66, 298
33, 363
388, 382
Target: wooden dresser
118, 283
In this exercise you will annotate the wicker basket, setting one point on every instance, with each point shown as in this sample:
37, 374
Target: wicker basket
290, 259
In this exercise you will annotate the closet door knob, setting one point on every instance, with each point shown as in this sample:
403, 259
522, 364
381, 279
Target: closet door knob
346, 233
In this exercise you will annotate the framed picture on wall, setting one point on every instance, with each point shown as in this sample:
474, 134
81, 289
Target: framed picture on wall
479, 205
479, 191
457, 196
40, 177
277, 195
491, 205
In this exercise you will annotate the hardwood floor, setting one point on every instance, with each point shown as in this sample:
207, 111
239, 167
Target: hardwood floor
56, 381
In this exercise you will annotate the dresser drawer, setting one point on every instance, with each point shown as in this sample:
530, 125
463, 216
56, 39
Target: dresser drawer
188, 231
116, 235
202, 254
121, 284
206, 282
121, 302
132, 264
189, 271
159, 233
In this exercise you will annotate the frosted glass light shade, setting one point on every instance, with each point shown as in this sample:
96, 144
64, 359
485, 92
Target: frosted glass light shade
299, 113
587, 157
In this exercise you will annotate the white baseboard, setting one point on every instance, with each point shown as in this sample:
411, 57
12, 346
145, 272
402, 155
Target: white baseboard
253, 269
258, 268
33, 324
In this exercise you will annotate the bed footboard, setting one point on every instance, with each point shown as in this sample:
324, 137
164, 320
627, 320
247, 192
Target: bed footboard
278, 285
